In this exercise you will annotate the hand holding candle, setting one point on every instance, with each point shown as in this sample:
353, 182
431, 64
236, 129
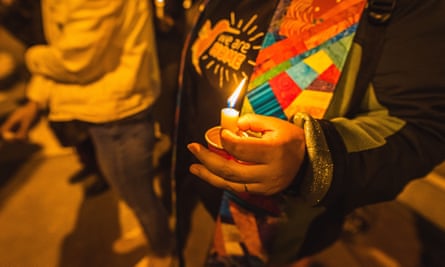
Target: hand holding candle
267, 164
264, 160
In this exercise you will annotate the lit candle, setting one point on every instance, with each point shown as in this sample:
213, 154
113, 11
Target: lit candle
229, 115
159, 4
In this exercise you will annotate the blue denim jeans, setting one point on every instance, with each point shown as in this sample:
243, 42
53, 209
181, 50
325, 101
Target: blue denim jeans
124, 151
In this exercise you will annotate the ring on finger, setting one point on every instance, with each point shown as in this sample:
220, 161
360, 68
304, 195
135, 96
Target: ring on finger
246, 189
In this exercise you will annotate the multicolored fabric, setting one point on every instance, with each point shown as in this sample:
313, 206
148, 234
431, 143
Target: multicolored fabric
297, 70
302, 57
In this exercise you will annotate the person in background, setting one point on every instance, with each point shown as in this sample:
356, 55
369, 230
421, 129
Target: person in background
99, 69
22, 18
344, 106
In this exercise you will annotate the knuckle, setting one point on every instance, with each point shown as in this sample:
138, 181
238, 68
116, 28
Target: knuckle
226, 172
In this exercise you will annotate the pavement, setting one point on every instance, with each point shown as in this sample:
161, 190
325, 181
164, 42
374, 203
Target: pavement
45, 221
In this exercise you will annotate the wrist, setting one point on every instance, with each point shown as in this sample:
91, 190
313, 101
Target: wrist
34, 104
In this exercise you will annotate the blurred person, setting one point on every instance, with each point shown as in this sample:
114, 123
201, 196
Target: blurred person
22, 18
100, 69
346, 100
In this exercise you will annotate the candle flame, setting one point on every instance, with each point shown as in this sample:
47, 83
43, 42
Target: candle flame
232, 99
159, 3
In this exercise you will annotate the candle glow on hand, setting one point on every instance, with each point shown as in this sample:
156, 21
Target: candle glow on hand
229, 115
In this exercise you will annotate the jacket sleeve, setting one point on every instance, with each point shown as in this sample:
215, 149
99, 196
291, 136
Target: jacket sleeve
76, 54
38, 90
399, 132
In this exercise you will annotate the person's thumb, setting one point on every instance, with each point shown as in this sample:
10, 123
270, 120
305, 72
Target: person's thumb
256, 123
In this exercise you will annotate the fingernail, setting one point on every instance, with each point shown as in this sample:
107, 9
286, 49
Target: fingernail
225, 133
192, 148
193, 169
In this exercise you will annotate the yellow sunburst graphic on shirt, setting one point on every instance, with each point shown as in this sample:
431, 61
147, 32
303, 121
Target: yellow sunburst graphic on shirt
224, 47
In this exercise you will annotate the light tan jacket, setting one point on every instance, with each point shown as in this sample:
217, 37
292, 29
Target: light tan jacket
100, 63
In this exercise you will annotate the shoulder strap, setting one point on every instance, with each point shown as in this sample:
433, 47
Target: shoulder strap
374, 20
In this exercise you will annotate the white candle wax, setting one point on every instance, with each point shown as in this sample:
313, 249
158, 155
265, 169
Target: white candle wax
229, 119
159, 11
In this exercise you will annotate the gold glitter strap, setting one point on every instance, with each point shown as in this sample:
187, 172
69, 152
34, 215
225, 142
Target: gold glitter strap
318, 177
